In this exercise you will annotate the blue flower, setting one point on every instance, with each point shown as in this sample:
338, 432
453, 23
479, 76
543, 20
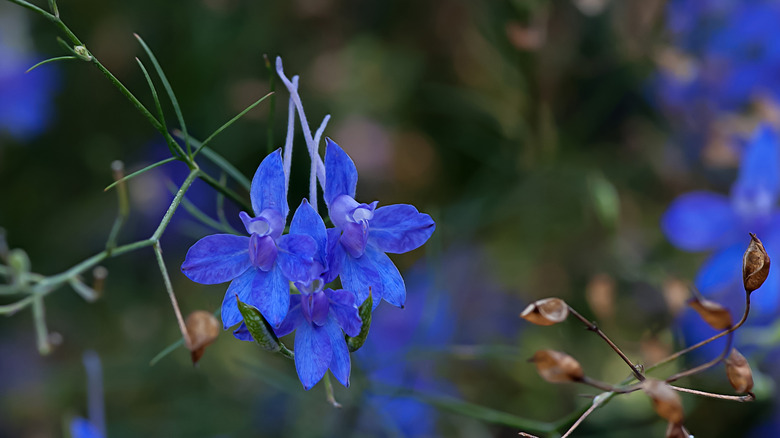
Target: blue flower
82, 428
26, 102
257, 266
365, 233
707, 221
319, 315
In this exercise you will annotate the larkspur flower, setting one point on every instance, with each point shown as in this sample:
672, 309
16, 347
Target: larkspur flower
258, 266
365, 233
707, 221
318, 315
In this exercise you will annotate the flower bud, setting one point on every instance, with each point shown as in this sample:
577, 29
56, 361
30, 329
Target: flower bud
712, 313
202, 328
755, 265
82, 53
666, 401
738, 371
547, 311
557, 367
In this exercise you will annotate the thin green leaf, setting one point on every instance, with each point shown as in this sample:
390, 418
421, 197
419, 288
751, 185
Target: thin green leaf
32, 7
174, 147
219, 160
229, 122
138, 172
485, 413
168, 350
54, 9
354, 343
200, 214
168, 90
208, 179
46, 61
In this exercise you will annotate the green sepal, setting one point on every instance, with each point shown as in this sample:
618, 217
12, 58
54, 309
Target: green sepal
258, 327
354, 343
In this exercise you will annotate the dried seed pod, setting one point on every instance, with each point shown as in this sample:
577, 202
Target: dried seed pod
666, 401
712, 313
600, 294
755, 265
738, 371
556, 367
547, 311
203, 328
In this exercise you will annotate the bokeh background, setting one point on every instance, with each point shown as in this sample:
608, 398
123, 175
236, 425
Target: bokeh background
546, 138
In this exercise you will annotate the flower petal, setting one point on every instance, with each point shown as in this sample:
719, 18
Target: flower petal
758, 185
699, 221
399, 228
82, 428
312, 354
262, 251
271, 295
241, 286
267, 189
217, 258
374, 269
307, 222
721, 271
242, 333
295, 256
344, 310
334, 255
340, 173
293, 319
339, 363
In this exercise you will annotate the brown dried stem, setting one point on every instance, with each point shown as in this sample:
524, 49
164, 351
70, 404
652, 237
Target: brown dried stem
704, 366
594, 328
739, 398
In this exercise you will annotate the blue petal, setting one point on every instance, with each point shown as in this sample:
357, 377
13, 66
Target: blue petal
374, 269
293, 319
241, 286
262, 251
267, 189
242, 333
340, 173
82, 428
295, 256
339, 363
756, 190
271, 295
217, 258
399, 228
722, 270
306, 221
699, 221
344, 310
312, 354
334, 255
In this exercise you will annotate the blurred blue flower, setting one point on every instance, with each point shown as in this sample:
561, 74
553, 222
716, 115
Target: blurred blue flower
26, 99
82, 428
707, 221
95, 427
365, 233
257, 266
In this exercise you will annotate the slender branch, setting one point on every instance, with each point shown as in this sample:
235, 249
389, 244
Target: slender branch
597, 401
594, 328
12, 308
171, 295
194, 173
739, 398
329, 391
607, 387
41, 332
674, 356
704, 366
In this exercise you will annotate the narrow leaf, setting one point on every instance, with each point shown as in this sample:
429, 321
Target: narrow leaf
258, 327
229, 122
200, 215
138, 172
46, 61
354, 343
168, 90
219, 160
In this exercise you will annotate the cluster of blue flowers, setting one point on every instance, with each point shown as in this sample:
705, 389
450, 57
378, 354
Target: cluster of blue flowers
310, 256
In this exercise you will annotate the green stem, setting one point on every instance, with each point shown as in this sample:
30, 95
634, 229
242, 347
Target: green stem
42, 333
329, 391
194, 173
12, 308
169, 287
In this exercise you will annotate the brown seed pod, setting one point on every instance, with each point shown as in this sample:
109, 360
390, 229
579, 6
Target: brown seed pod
738, 371
557, 367
712, 313
203, 329
547, 311
676, 431
755, 265
666, 401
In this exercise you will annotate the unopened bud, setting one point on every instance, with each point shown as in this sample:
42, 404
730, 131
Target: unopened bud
755, 265
557, 367
712, 313
99, 275
547, 311
203, 328
83, 53
738, 371
666, 401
